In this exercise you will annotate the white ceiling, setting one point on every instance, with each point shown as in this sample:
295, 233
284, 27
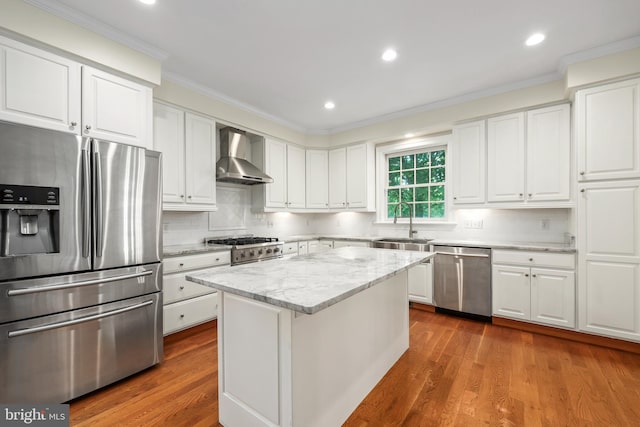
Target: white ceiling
285, 58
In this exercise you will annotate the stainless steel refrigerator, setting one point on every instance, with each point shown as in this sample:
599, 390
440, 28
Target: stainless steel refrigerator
80, 270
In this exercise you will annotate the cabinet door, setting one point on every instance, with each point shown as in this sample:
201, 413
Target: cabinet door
608, 131
276, 167
115, 109
511, 292
317, 170
296, 174
38, 88
469, 158
357, 176
505, 158
168, 128
421, 283
303, 248
609, 259
338, 178
200, 142
549, 153
319, 245
553, 297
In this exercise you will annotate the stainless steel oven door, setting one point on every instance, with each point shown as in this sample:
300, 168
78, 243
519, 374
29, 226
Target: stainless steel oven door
53, 359
44, 158
23, 299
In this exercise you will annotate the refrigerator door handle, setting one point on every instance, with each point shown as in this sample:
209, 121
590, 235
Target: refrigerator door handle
56, 287
21, 332
86, 206
98, 203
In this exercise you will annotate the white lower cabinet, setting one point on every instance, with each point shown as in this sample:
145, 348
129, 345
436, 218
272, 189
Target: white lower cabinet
303, 248
187, 303
353, 243
421, 283
534, 286
320, 245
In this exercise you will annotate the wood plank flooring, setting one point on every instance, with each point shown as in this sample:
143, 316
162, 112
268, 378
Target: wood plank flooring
457, 372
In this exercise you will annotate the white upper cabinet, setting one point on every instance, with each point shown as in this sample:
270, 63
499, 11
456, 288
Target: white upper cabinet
469, 162
317, 179
609, 258
200, 157
38, 88
286, 164
168, 128
338, 178
505, 158
188, 143
351, 178
115, 109
608, 131
549, 153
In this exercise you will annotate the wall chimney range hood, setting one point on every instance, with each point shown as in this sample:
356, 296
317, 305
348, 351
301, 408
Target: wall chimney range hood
233, 166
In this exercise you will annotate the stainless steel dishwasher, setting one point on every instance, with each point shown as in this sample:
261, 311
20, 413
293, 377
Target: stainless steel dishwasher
462, 280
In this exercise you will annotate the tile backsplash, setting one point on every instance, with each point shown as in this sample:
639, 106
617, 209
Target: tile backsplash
235, 217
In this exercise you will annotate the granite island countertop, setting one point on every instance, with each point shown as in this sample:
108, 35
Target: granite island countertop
310, 283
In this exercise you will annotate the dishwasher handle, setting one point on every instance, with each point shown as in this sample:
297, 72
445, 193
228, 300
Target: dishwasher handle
463, 255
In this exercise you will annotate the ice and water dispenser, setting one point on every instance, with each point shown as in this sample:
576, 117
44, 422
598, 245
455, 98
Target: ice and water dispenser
29, 220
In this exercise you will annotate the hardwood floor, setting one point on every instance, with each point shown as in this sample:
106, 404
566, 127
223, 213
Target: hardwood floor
457, 372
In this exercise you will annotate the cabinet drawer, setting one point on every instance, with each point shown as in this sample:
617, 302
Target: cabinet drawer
191, 262
534, 259
290, 248
177, 288
184, 314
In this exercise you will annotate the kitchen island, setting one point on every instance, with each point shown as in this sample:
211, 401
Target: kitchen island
302, 341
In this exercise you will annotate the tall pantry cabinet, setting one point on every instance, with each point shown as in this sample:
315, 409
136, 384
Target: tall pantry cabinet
608, 217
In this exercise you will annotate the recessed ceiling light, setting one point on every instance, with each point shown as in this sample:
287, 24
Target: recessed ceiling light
535, 39
389, 55
329, 105
408, 135
148, 1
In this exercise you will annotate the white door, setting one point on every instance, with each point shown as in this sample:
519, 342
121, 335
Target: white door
553, 297
608, 131
296, 174
276, 168
38, 88
115, 109
338, 178
511, 294
609, 259
200, 141
357, 176
505, 158
469, 162
317, 170
421, 283
168, 128
549, 153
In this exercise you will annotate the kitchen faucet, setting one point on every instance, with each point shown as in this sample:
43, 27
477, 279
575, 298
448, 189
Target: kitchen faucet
395, 218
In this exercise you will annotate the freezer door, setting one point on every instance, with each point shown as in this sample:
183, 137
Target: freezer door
58, 242
57, 358
127, 187
23, 299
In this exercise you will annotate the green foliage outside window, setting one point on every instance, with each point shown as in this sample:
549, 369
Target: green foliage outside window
417, 179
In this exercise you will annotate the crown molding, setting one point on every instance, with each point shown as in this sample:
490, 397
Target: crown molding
597, 52
69, 14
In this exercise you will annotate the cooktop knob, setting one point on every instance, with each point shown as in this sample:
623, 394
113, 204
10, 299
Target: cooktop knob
276, 250
268, 251
251, 253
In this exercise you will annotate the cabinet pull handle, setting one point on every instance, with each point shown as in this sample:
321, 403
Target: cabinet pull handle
181, 264
87, 128
188, 197
530, 194
182, 196
520, 194
526, 275
181, 288
182, 316
217, 259
582, 173
582, 190
455, 198
531, 259
533, 275
73, 124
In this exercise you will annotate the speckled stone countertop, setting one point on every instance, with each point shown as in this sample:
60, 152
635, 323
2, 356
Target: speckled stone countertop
192, 248
302, 238
310, 283
526, 246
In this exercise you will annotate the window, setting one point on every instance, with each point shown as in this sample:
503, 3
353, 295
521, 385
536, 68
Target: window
417, 177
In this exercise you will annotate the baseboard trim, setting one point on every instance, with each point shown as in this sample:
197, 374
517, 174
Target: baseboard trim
423, 307
582, 337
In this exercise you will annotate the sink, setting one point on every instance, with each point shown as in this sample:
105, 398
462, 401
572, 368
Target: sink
421, 245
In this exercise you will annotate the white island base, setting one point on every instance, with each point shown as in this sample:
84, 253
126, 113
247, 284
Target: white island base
278, 367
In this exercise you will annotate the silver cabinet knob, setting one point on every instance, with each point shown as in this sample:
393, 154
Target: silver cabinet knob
181, 264
182, 316
531, 259
73, 124
182, 196
521, 194
582, 190
189, 197
455, 198
582, 173
533, 275
181, 288
526, 275
530, 194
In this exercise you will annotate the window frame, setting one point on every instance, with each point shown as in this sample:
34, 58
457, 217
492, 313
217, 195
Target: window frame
441, 142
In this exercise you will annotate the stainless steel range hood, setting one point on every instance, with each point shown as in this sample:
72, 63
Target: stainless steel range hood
233, 166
